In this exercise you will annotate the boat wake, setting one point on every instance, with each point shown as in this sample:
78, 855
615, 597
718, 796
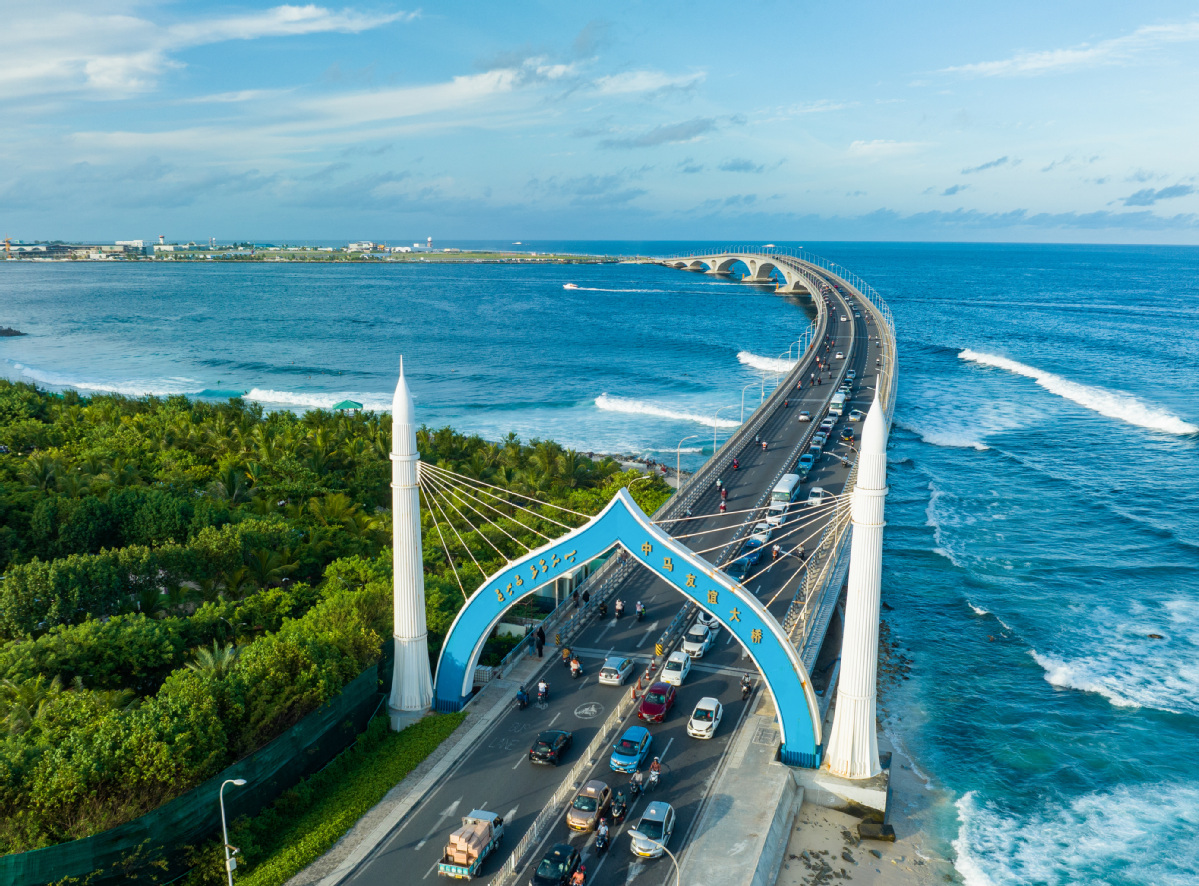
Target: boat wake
1112, 404
571, 286
608, 403
766, 364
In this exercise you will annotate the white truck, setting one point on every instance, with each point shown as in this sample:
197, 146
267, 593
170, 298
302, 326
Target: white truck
480, 833
836, 406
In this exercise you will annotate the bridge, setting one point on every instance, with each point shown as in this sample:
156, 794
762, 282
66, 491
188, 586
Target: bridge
797, 606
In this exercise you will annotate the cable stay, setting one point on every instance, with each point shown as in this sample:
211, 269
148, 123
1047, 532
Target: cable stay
471, 480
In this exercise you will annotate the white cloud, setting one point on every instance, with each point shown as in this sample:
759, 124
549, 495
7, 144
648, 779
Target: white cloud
71, 48
1107, 52
879, 147
820, 106
645, 81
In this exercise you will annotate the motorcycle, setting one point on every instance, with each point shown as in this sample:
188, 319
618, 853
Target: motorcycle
603, 610
640, 613
543, 694
522, 700
635, 788
601, 844
652, 781
619, 608
576, 670
746, 688
734, 464
620, 808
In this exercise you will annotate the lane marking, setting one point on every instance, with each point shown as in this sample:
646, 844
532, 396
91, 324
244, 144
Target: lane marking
446, 813
648, 631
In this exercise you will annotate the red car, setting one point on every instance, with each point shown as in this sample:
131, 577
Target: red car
658, 701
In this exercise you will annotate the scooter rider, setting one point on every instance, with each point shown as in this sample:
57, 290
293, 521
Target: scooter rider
746, 686
619, 608
576, 667
580, 876
522, 698
543, 690
636, 782
640, 610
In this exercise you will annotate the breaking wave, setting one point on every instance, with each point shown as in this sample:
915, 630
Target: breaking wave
316, 400
766, 364
151, 387
945, 437
609, 403
1112, 404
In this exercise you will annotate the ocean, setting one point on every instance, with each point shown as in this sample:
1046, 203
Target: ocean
1043, 519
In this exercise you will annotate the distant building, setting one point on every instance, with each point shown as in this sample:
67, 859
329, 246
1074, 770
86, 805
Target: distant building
132, 244
364, 246
401, 249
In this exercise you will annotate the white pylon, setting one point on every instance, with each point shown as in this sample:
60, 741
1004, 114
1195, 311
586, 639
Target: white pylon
853, 742
411, 686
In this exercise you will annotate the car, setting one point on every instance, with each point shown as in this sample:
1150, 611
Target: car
851, 374
738, 569
804, 415
658, 701
761, 533
847, 435
844, 318
818, 496
751, 552
550, 745
708, 620
697, 641
840, 356
630, 750
857, 415
677, 667
856, 314
816, 450
828, 424
616, 670
655, 828
806, 462
589, 804
819, 439
705, 718
557, 867
777, 516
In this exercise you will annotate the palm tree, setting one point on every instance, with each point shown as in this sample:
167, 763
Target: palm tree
41, 472
219, 659
25, 702
238, 582
270, 566
229, 485
575, 468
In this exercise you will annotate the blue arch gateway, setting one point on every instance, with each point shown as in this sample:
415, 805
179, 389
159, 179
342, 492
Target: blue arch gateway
623, 523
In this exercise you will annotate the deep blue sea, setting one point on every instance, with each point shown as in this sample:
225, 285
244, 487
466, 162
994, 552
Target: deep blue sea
1043, 519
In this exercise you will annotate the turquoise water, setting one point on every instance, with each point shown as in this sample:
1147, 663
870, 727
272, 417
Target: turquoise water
1043, 519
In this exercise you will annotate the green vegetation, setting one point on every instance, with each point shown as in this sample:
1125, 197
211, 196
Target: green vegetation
305, 822
184, 581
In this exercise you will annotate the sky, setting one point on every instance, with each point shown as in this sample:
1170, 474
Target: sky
1021, 121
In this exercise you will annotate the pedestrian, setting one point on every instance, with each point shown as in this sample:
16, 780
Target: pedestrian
575, 594
586, 597
539, 640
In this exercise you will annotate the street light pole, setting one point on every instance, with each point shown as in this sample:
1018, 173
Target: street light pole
678, 461
224, 828
743, 390
640, 836
714, 417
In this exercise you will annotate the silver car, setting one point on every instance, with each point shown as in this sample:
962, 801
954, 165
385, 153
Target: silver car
653, 831
616, 670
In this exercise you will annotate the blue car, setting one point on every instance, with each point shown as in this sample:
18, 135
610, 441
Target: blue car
631, 750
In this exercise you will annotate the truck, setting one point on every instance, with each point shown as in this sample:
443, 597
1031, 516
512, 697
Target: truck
837, 405
480, 833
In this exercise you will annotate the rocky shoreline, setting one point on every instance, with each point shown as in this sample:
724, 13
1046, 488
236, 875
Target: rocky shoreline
9, 332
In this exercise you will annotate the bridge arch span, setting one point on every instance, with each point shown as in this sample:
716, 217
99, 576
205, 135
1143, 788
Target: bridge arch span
623, 523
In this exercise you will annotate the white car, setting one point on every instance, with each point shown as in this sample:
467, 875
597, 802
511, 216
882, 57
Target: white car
818, 496
705, 718
804, 415
616, 670
776, 517
697, 641
819, 439
761, 533
857, 415
708, 620
840, 356
844, 319
677, 667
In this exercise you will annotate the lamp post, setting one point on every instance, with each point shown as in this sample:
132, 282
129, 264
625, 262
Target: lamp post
762, 382
637, 835
678, 461
714, 417
224, 828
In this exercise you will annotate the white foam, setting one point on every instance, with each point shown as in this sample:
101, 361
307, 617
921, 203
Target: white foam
945, 437
317, 400
601, 289
1112, 404
686, 450
765, 364
626, 405
978, 610
153, 387
1143, 673
1136, 835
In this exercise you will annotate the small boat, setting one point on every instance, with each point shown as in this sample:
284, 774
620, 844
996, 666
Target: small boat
569, 286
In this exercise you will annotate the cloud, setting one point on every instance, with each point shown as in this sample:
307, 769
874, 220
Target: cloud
740, 164
71, 48
990, 165
690, 167
883, 148
1148, 196
646, 81
670, 134
1117, 50
953, 189
610, 189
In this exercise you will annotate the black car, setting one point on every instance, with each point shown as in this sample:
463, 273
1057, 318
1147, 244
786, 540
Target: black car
550, 746
847, 435
557, 867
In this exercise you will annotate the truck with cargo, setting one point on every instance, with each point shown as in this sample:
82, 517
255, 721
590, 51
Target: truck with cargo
480, 833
